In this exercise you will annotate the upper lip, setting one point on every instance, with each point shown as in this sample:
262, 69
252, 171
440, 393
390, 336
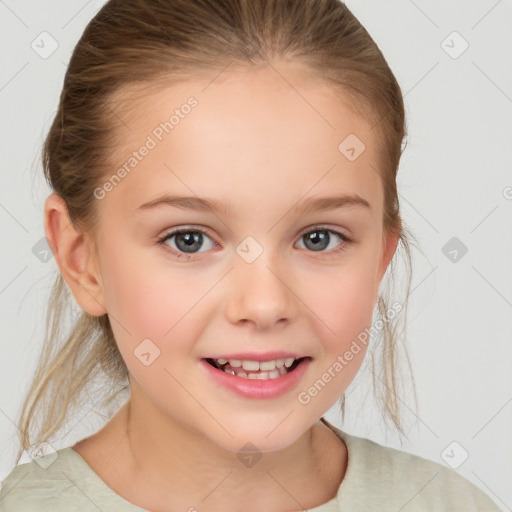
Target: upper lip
267, 356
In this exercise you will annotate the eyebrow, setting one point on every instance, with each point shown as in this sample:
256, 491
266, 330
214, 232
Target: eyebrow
214, 206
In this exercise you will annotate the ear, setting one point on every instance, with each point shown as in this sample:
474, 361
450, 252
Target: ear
75, 255
389, 245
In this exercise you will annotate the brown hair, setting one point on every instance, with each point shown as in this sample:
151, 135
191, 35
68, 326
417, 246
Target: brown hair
131, 44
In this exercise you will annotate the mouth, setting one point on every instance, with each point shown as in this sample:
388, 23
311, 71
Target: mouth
257, 370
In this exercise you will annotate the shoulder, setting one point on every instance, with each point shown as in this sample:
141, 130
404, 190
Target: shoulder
48, 483
392, 479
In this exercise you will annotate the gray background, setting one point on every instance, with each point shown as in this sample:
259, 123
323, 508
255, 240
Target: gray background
455, 180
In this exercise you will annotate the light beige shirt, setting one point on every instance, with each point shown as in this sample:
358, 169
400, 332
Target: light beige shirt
377, 479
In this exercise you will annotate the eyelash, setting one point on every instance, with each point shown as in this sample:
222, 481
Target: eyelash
332, 253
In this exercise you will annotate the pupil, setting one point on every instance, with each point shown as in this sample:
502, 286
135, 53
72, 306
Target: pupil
320, 239
186, 242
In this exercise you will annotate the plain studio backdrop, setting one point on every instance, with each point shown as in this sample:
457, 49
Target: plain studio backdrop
452, 60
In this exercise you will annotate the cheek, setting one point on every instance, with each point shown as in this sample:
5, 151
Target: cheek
343, 303
146, 301
343, 313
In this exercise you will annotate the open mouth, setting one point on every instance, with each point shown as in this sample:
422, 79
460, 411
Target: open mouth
262, 370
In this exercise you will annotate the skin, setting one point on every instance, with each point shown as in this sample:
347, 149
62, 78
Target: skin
254, 142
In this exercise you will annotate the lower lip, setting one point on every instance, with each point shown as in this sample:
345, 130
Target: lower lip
255, 388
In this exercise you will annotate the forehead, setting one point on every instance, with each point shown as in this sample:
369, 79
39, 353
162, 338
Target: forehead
268, 131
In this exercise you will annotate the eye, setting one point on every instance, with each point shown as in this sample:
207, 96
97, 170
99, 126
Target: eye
187, 241
319, 238
191, 241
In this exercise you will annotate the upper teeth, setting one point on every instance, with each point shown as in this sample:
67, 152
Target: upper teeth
258, 365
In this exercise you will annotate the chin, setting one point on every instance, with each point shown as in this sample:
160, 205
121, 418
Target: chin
259, 436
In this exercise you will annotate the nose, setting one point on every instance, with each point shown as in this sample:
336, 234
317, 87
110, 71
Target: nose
261, 293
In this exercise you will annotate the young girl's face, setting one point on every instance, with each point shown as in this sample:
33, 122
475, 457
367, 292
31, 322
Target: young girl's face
260, 146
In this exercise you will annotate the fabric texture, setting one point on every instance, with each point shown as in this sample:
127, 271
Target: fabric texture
377, 478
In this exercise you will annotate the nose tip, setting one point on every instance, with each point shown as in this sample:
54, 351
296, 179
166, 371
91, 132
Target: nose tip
259, 294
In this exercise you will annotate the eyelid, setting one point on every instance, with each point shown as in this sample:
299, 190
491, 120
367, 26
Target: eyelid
319, 227
161, 239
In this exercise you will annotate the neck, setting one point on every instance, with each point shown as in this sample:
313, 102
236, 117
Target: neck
181, 469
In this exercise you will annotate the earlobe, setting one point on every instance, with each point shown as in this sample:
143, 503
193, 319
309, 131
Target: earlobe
74, 255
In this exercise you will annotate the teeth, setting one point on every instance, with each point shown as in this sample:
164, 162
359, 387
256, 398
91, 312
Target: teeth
266, 369
255, 366
260, 376
251, 365
274, 374
267, 365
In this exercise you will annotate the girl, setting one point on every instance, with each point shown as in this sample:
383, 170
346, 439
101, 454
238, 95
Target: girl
224, 209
